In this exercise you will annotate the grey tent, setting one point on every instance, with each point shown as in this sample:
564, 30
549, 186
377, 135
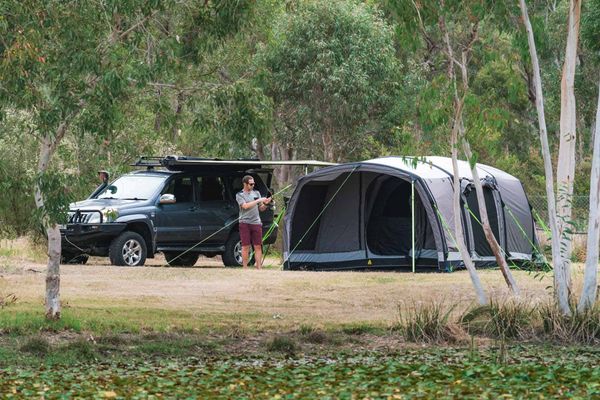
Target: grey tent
364, 215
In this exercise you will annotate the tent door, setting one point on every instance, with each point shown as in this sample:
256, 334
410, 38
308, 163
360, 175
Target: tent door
495, 216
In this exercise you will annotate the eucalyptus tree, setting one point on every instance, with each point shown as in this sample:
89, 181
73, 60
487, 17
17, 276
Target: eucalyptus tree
452, 29
565, 174
330, 70
67, 65
591, 40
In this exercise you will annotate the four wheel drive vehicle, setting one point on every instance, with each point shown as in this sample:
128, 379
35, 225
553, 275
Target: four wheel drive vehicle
185, 209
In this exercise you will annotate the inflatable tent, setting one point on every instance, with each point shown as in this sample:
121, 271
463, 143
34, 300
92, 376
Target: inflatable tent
396, 212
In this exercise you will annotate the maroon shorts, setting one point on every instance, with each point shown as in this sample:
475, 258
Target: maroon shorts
251, 234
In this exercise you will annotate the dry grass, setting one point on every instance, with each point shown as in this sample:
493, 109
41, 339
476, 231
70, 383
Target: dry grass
269, 297
211, 296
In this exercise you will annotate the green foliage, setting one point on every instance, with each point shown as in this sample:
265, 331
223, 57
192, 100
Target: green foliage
330, 69
422, 373
230, 118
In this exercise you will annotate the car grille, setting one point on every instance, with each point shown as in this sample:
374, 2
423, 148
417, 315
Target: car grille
80, 217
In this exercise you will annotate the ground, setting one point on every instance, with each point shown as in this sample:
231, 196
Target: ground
269, 297
211, 331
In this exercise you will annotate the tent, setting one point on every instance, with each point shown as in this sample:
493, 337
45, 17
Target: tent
396, 212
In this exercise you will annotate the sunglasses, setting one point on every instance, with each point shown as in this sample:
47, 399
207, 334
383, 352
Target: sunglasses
250, 184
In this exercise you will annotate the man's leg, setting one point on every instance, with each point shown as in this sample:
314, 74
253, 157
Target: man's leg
245, 256
258, 256
246, 239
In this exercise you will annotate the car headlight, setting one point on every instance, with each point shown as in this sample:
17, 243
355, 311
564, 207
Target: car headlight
94, 218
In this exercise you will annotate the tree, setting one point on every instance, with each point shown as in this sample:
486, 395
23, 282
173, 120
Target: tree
565, 174
466, 34
66, 65
561, 290
590, 278
591, 39
330, 70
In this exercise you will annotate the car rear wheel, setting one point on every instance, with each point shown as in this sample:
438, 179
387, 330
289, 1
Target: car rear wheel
178, 259
128, 249
233, 251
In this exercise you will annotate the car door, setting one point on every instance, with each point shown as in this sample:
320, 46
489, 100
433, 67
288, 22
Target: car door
179, 223
214, 208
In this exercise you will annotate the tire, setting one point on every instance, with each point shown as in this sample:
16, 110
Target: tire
233, 251
69, 258
128, 249
175, 259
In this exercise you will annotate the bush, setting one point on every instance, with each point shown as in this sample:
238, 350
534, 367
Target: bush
283, 344
81, 349
500, 319
428, 323
580, 328
36, 345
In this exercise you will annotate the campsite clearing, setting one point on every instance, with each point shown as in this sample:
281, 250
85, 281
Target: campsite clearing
209, 297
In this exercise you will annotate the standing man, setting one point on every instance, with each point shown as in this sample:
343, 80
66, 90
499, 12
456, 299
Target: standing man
250, 203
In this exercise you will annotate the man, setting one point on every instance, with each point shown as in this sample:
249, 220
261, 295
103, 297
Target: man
251, 203
103, 176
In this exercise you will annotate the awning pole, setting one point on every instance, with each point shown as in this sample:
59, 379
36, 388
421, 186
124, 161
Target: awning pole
412, 209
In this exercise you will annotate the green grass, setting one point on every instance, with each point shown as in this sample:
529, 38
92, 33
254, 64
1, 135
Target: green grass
24, 318
525, 372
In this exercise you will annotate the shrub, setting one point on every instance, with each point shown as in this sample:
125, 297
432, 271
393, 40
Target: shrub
580, 328
82, 349
36, 345
427, 322
500, 319
282, 344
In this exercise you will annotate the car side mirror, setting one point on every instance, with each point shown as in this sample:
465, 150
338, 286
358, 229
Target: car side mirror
167, 199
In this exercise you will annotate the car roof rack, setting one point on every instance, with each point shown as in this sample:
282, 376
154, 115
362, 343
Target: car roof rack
183, 163
150, 162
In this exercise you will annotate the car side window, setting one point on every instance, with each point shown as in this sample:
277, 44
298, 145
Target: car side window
181, 188
210, 188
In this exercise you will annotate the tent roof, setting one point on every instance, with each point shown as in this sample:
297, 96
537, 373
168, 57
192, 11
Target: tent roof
434, 167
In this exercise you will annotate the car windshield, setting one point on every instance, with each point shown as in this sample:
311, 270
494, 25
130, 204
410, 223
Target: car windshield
132, 187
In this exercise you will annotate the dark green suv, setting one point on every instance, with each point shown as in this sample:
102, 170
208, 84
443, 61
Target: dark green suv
183, 209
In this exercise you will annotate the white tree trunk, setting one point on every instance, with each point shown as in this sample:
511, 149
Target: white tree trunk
487, 229
458, 107
458, 228
561, 290
565, 174
47, 149
590, 276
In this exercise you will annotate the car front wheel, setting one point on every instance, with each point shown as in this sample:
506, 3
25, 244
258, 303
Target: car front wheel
128, 249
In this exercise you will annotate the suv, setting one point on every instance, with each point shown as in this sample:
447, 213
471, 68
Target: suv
183, 211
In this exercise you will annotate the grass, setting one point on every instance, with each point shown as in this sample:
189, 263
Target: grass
426, 322
27, 318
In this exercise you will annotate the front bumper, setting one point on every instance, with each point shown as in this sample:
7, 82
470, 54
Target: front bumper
92, 239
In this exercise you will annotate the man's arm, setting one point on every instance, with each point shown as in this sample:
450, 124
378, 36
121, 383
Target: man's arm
266, 201
250, 204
